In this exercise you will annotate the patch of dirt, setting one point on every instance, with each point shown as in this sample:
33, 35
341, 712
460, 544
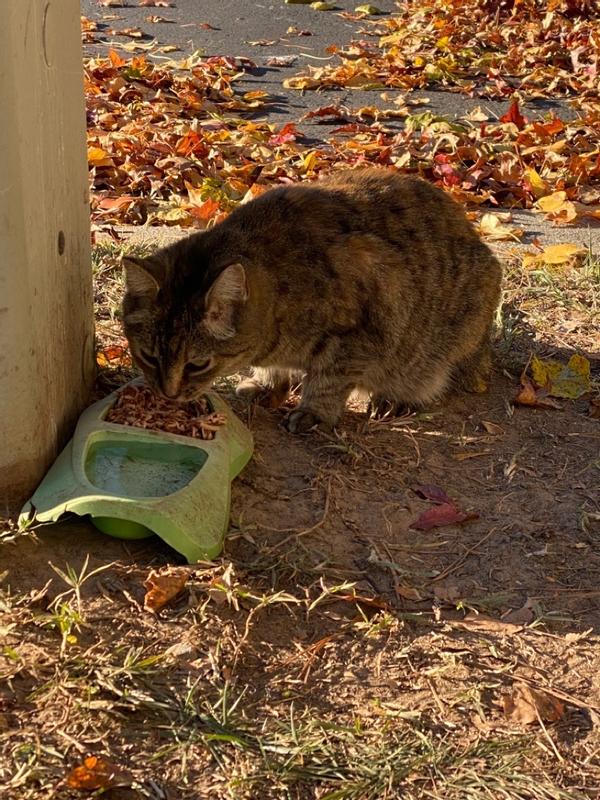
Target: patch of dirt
339, 636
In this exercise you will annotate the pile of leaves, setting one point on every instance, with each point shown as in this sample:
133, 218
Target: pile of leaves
140, 407
167, 145
164, 143
488, 49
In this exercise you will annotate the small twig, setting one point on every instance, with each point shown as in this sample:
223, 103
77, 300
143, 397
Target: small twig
294, 532
547, 735
459, 561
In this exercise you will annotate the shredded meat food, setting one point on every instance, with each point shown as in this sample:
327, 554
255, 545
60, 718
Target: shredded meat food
140, 407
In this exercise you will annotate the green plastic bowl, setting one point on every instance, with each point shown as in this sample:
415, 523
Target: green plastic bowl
122, 528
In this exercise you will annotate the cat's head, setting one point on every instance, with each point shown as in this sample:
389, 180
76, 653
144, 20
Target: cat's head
183, 333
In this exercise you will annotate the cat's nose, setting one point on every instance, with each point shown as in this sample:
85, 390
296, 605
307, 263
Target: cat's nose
170, 386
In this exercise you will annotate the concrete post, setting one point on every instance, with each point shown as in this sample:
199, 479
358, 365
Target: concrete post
46, 321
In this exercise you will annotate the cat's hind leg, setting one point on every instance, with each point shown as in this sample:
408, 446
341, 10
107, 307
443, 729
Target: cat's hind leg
382, 407
270, 385
473, 373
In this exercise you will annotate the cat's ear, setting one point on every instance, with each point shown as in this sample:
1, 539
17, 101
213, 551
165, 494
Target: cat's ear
229, 290
142, 276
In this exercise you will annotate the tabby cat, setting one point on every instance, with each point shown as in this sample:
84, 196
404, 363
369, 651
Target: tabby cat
366, 279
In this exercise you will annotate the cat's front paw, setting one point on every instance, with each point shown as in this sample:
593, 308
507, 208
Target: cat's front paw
300, 420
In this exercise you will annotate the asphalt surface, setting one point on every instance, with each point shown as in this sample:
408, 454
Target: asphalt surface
235, 23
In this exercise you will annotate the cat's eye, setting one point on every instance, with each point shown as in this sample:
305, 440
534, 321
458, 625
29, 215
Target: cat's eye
148, 359
198, 367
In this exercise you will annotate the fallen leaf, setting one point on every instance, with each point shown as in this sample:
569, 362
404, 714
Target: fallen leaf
529, 395
483, 622
554, 254
550, 375
321, 5
520, 616
514, 115
571, 380
466, 456
281, 61
492, 428
114, 354
594, 409
95, 773
408, 592
539, 187
492, 228
557, 207
221, 588
97, 157
430, 491
441, 515
526, 705
368, 9
162, 587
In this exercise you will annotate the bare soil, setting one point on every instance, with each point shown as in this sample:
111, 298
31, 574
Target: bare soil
334, 651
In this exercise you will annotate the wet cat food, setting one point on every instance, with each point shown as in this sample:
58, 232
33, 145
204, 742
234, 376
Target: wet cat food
140, 407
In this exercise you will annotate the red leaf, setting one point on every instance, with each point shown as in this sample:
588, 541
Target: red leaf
287, 134
431, 492
438, 516
514, 115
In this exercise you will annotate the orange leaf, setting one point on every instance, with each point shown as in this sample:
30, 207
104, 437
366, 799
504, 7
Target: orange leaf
206, 210
115, 59
94, 773
529, 395
163, 587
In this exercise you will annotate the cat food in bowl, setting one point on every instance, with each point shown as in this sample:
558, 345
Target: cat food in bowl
139, 407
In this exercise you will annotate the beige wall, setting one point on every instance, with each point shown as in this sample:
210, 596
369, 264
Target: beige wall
46, 323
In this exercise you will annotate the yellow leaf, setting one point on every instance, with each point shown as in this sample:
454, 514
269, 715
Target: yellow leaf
368, 9
309, 161
301, 82
552, 202
554, 254
492, 228
569, 380
97, 157
558, 207
538, 184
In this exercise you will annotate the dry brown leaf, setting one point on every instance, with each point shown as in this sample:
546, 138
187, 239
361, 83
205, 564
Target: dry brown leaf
492, 428
482, 622
526, 705
520, 616
408, 592
162, 587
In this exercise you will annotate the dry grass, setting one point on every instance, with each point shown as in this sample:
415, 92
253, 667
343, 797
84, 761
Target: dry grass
334, 661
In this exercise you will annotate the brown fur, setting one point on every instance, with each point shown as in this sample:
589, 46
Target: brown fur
365, 279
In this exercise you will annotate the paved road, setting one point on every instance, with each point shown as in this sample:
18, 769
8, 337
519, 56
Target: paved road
239, 22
